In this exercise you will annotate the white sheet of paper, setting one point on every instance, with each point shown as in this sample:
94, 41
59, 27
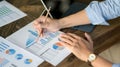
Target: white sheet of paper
45, 48
14, 56
9, 13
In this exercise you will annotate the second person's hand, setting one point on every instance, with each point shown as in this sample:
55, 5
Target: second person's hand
79, 46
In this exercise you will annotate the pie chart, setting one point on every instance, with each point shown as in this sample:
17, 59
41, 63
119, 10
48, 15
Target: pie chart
19, 56
58, 46
28, 61
10, 51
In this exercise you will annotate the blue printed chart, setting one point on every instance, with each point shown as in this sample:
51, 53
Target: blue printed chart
43, 41
31, 38
48, 37
3, 62
5, 49
9, 12
19, 56
3, 46
45, 47
58, 46
10, 51
28, 61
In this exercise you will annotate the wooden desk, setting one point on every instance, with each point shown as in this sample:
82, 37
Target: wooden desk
103, 36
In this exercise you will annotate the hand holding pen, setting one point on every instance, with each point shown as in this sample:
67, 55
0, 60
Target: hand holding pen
45, 23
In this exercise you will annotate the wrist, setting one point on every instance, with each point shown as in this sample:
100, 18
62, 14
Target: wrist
61, 23
56, 24
91, 58
86, 56
101, 62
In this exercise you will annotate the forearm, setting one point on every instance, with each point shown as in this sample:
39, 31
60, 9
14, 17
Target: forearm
96, 13
79, 18
101, 62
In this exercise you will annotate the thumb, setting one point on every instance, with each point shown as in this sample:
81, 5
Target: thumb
88, 37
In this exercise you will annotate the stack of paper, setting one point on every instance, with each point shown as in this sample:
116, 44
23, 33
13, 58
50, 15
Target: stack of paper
47, 47
14, 56
9, 13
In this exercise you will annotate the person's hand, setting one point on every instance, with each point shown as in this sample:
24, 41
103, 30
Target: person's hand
42, 23
80, 47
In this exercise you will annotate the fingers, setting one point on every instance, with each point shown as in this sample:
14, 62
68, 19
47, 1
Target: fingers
88, 38
65, 44
75, 39
66, 40
37, 26
41, 19
73, 36
70, 39
48, 24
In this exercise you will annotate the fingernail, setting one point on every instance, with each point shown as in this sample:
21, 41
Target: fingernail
59, 39
59, 44
62, 34
40, 22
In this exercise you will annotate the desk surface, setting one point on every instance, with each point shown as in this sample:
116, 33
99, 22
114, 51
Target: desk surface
103, 36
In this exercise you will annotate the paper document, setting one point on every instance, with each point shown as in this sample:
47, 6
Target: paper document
14, 56
9, 13
47, 47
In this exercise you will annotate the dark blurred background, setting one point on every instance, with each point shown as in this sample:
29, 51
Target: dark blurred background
59, 7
